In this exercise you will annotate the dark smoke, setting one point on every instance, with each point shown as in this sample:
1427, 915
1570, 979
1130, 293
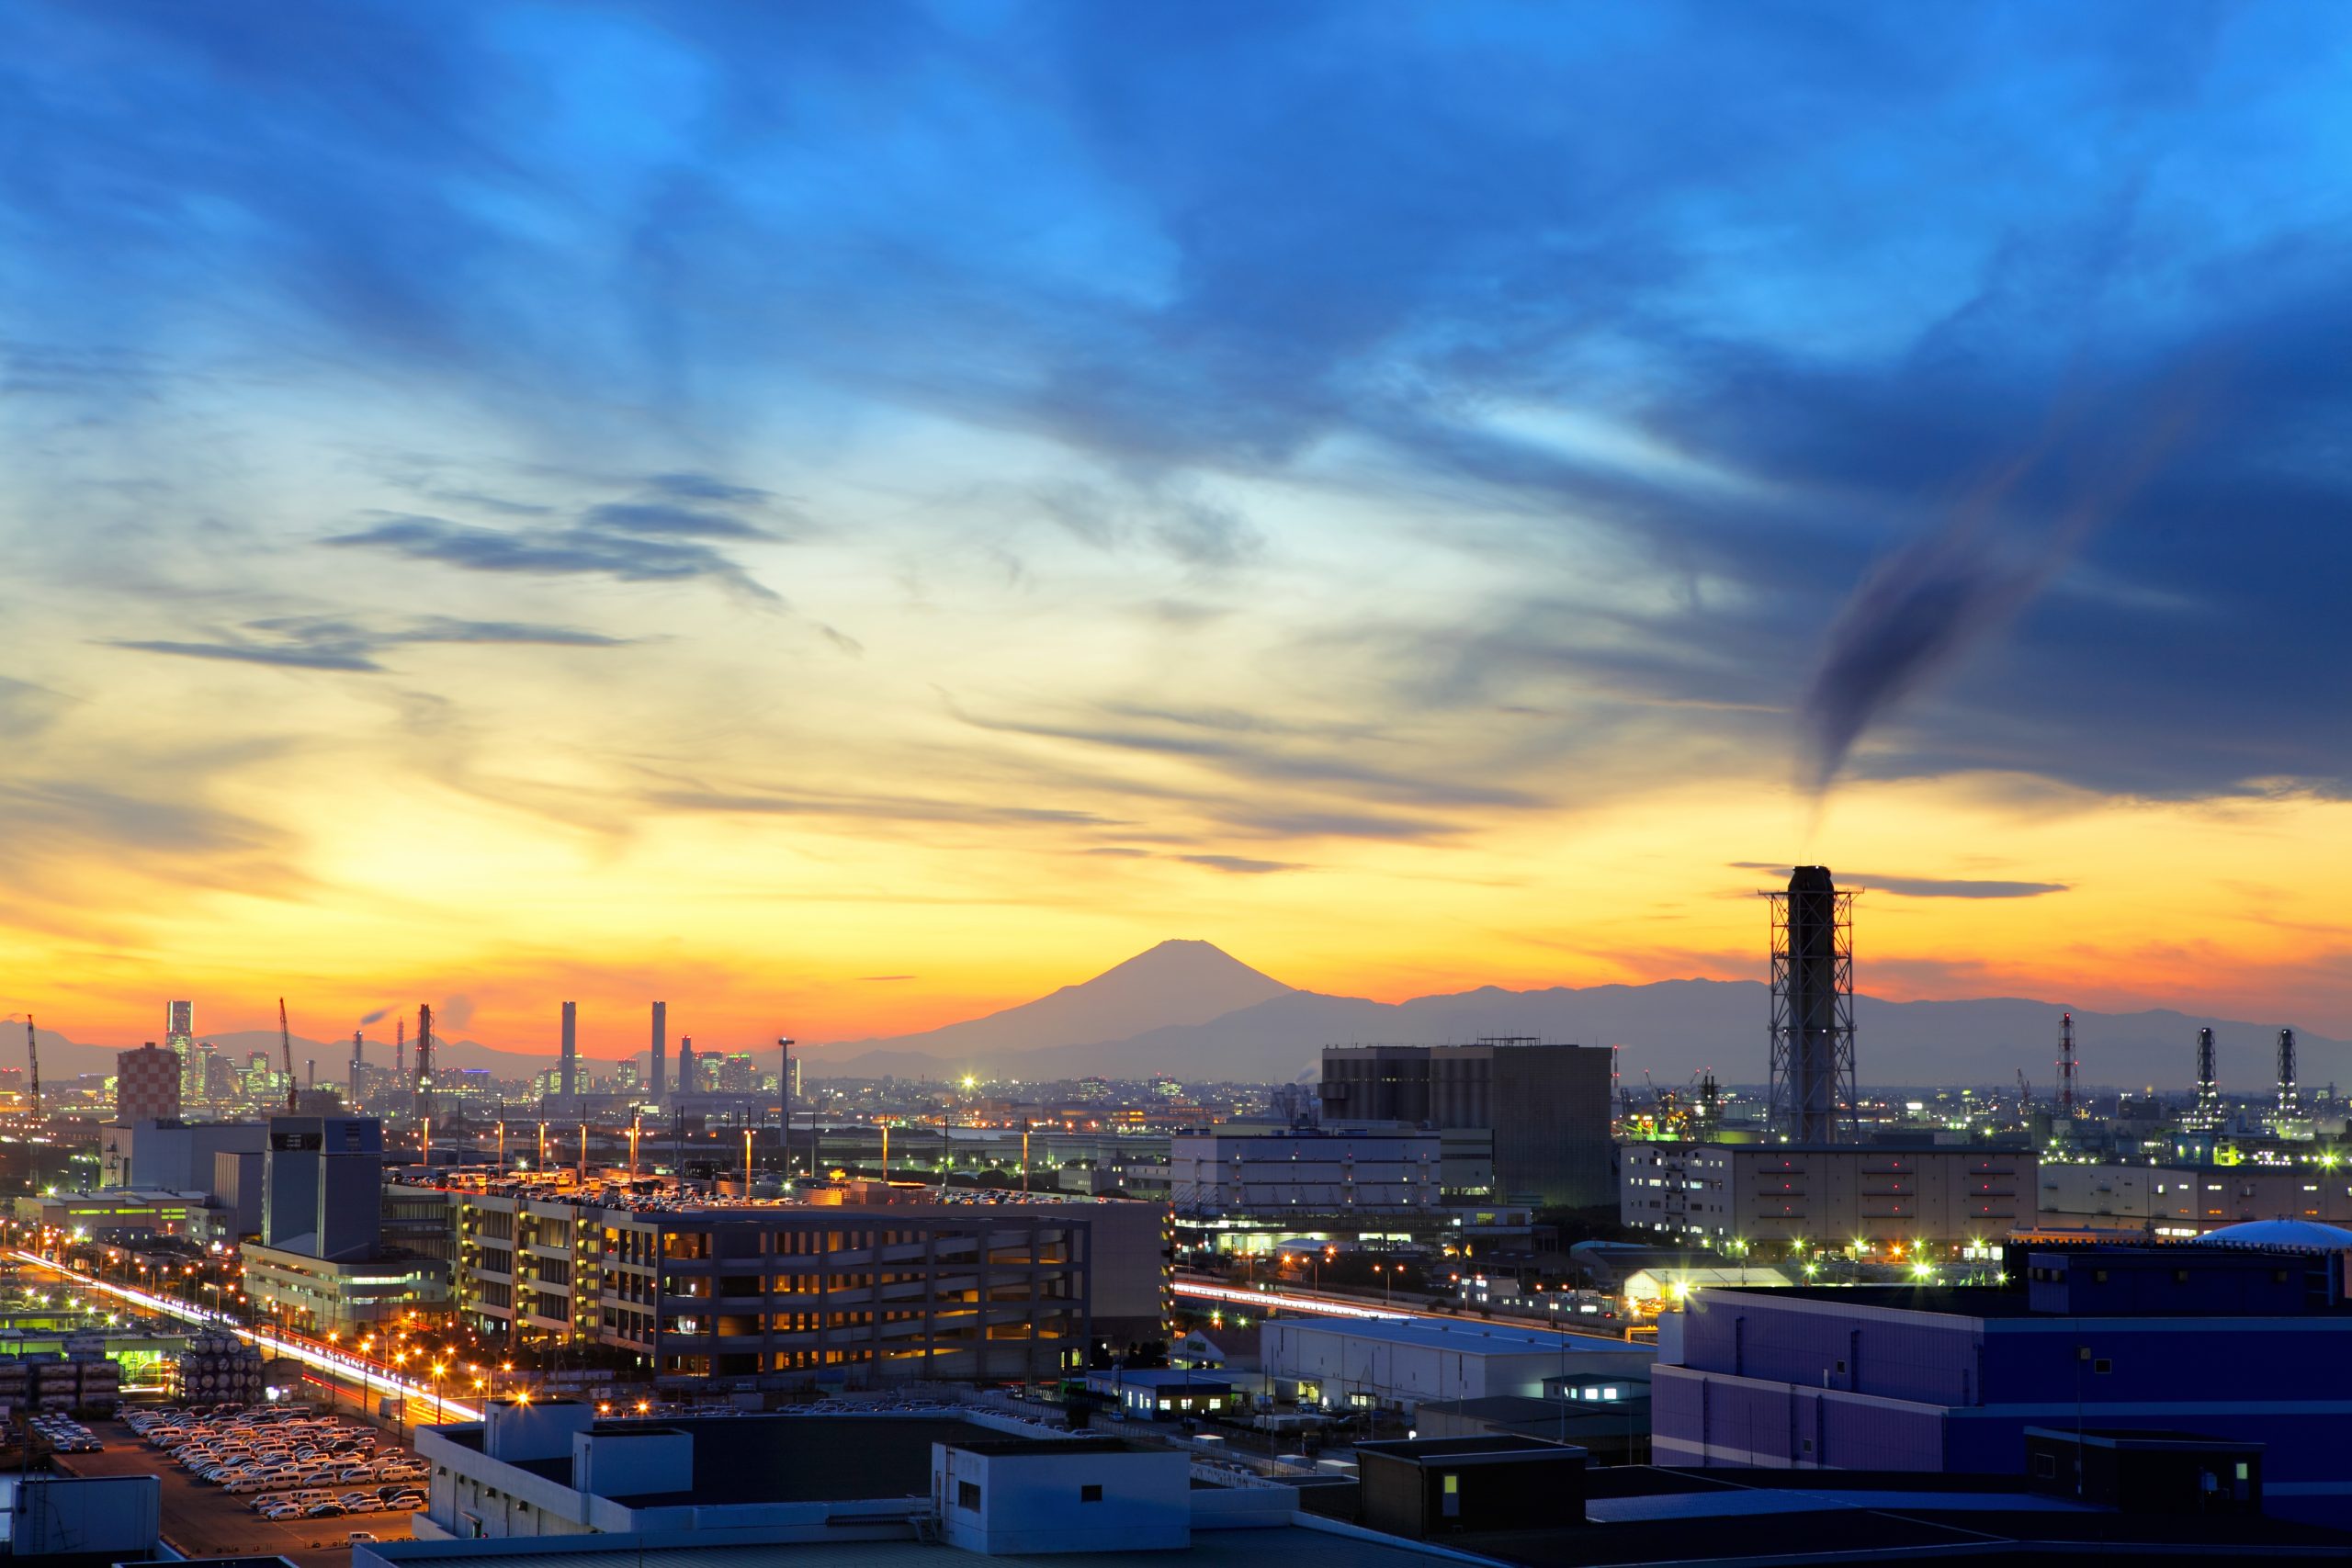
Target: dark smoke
1918, 614
378, 1014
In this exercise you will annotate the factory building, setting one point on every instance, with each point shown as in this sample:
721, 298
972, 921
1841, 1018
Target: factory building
1547, 1106
1308, 1171
2242, 1338
857, 1294
1397, 1363
1834, 1193
2171, 1202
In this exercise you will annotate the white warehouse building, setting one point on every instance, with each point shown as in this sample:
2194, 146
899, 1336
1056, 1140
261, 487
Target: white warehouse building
1400, 1362
1309, 1171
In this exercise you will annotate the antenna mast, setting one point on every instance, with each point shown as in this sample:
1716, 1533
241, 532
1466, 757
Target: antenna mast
286, 1046
32, 1060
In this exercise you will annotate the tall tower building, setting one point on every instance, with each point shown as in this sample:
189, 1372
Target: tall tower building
1812, 1093
661, 1065
687, 1083
179, 1039
2207, 1116
568, 1065
2290, 1099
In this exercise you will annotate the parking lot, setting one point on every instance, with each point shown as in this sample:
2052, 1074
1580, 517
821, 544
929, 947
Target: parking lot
201, 1520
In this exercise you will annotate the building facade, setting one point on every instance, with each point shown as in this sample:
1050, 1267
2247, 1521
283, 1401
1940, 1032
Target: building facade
857, 1294
2169, 1202
1547, 1106
1834, 1193
2233, 1344
1306, 1172
147, 1085
1396, 1363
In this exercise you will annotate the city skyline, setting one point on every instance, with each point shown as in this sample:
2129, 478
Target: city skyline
850, 521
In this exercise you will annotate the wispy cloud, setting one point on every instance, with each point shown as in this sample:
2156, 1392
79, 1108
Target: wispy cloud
322, 643
556, 552
1922, 886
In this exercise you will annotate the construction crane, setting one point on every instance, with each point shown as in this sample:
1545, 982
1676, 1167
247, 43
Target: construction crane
2025, 1096
32, 1060
286, 1043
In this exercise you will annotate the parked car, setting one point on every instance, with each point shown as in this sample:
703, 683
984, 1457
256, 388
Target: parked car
327, 1510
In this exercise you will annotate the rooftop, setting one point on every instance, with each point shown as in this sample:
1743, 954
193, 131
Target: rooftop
1292, 1545
783, 1458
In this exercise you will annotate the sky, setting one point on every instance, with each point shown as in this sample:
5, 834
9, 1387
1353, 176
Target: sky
844, 516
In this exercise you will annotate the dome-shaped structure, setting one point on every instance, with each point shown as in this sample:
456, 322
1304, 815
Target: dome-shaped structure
2308, 1235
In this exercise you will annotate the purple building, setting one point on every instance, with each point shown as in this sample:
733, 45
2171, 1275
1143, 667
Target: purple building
2248, 1338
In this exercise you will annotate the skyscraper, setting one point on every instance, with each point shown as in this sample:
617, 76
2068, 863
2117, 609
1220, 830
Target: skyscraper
568, 1067
661, 1050
179, 1038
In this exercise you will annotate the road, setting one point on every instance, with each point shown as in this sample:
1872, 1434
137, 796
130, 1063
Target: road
204, 1521
1297, 1299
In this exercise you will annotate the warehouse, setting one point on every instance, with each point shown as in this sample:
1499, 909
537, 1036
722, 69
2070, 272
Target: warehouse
1398, 1362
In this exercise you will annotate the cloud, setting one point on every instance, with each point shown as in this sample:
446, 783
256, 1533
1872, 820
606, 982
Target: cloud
878, 979
1922, 886
455, 1012
650, 517
1237, 864
329, 644
376, 1015
554, 552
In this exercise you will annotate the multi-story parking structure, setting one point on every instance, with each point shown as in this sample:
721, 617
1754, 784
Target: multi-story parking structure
987, 1286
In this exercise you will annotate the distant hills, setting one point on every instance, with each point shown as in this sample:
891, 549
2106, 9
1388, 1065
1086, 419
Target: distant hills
1190, 1010
1671, 1029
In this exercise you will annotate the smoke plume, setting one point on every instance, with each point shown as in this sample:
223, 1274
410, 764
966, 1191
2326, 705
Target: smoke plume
1918, 614
378, 1015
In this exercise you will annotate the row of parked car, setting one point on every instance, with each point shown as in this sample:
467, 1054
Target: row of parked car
318, 1503
263, 1449
65, 1435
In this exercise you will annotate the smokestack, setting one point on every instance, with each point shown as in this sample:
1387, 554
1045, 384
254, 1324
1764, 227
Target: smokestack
2208, 1116
568, 1078
2290, 1096
1813, 1094
660, 1048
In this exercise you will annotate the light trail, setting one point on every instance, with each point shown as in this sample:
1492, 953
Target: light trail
370, 1375
1334, 1308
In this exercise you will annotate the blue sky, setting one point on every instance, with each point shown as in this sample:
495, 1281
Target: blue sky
1211, 441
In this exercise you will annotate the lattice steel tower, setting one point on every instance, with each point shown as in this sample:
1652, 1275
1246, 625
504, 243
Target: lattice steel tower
2207, 1117
1813, 1095
2289, 1098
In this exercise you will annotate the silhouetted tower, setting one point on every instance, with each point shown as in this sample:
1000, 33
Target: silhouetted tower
2289, 1098
686, 1072
2067, 1109
568, 1065
358, 1064
423, 1060
1813, 1095
2207, 1118
400, 1049
660, 1066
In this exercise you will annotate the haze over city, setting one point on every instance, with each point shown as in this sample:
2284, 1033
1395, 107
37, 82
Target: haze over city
850, 518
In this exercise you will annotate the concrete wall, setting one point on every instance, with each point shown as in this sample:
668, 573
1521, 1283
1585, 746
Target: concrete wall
1343, 1360
1042, 1500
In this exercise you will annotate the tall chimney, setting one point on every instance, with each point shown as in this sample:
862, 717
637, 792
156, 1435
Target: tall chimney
1813, 1094
660, 1048
568, 1077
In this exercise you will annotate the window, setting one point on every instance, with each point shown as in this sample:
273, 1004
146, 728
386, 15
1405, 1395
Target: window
967, 1495
2102, 1365
2045, 1466
1092, 1494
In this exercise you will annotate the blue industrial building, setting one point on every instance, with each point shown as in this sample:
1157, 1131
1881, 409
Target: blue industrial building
2248, 1339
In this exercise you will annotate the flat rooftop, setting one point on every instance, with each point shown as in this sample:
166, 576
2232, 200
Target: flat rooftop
1463, 1338
1292, 1545
787, 1459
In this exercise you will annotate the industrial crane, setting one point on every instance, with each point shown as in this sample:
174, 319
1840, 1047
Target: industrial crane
32, 1060
285, 1044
